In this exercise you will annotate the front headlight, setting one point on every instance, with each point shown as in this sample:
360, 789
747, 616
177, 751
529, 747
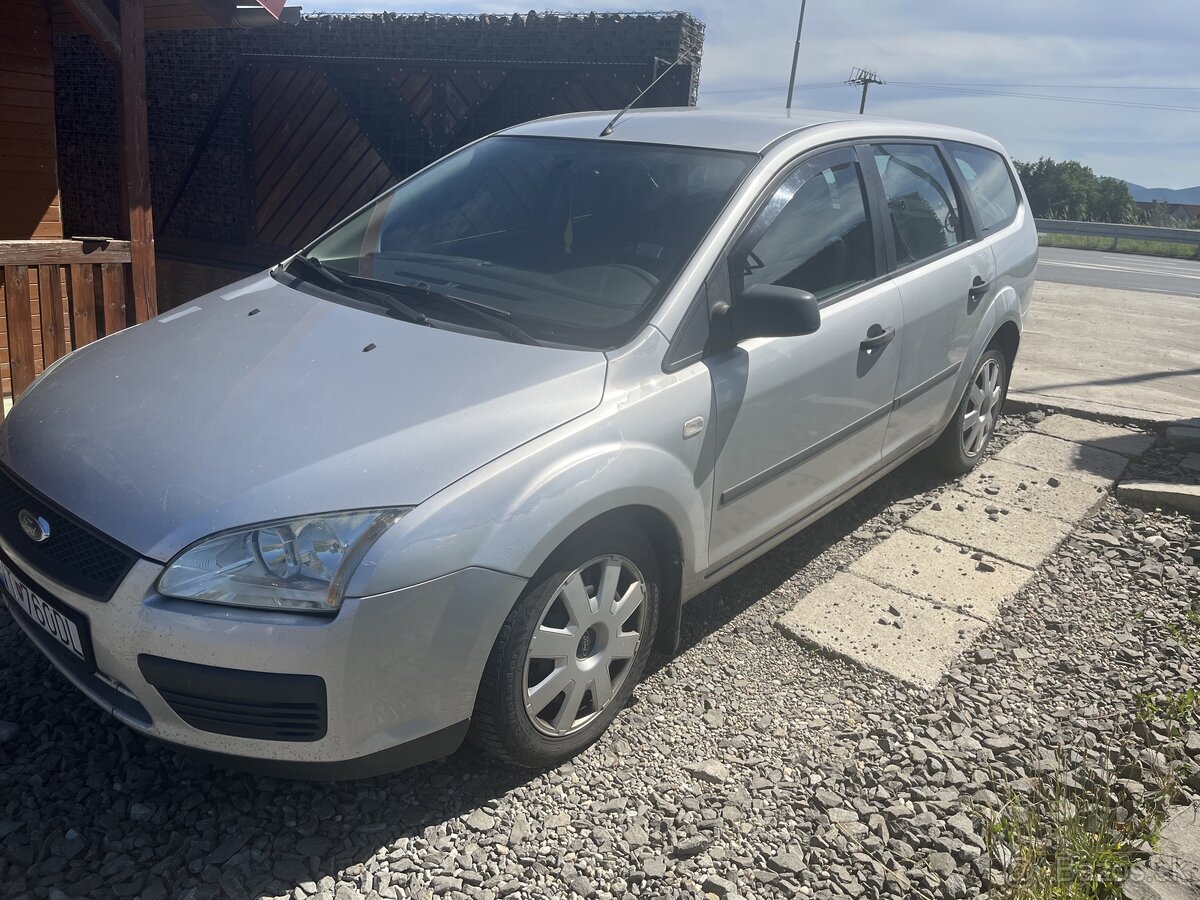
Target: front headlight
299, 564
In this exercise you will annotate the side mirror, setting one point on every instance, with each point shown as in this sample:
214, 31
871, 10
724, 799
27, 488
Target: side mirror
769, 310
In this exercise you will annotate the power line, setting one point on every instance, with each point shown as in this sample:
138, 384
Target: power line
968, 84
771, 90
981, 88
932, 86
1066, 87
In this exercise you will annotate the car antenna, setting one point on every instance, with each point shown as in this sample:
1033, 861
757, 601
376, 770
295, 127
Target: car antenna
608, 129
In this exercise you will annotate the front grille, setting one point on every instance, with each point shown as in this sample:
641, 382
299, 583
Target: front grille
74, 554
260, 705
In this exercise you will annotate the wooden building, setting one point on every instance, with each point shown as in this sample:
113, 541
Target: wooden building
59, 293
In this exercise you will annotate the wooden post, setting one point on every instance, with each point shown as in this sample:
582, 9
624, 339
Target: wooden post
134, 143
50, 299
112, 295
83, 304
20, 328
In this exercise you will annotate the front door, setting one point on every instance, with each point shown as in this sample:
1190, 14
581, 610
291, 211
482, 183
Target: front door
799, 419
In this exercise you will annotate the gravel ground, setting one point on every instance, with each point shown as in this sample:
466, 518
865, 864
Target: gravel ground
746, 766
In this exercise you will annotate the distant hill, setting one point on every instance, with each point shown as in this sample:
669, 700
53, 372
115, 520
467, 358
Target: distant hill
1168, 195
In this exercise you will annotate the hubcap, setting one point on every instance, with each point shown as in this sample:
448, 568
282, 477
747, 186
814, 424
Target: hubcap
587, 644
584, 644
980, 408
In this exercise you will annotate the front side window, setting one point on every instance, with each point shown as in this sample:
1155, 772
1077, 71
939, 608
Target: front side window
814, 234
922, 206
573, 241
987, 177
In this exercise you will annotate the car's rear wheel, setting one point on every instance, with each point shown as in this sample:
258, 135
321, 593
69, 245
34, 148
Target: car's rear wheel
571, 651
965, 439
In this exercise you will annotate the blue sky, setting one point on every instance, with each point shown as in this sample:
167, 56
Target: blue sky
1100, 50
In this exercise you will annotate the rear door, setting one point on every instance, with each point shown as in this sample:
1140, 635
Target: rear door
801, 418
994, 199
944, 276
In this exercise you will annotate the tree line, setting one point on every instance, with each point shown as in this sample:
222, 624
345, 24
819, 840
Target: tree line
1070, 190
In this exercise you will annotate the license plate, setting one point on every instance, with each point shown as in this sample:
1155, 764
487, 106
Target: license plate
45, 616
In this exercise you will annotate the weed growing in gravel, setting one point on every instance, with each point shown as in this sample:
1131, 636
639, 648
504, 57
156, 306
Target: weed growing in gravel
1187, 634
1075, 833
1177, 709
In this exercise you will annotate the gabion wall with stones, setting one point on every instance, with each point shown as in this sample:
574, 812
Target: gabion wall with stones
187, 70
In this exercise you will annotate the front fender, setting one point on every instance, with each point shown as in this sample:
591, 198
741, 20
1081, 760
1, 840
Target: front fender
511, 514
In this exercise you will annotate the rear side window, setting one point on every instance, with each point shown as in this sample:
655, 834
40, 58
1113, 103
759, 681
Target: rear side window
922, 205
990, 183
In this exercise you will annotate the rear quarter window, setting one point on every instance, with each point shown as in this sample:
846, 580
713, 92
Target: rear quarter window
990, 184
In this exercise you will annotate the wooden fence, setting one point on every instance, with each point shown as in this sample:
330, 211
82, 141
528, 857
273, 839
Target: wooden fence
57, 295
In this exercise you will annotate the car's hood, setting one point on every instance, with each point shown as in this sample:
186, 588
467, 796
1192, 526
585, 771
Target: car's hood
261, 402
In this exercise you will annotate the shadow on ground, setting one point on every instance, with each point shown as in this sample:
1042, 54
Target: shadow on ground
90, 808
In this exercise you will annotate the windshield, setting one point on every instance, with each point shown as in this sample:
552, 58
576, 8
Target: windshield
574, 241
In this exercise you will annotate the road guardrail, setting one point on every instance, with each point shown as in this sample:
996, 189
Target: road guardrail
1117, 232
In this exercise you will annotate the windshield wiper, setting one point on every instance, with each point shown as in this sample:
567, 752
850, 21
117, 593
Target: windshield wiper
394, 305
497, 319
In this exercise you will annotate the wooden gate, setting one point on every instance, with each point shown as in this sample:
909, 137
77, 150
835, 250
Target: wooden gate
324, 135
312, 162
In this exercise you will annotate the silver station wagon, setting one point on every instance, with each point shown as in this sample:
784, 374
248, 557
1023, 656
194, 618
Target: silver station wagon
454, 470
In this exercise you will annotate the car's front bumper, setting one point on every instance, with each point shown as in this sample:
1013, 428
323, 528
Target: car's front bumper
391, 679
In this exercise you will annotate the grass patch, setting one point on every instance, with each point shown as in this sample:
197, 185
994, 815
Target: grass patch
1076, 832
1066, 850
1175, 709
1188, 633
1120, 245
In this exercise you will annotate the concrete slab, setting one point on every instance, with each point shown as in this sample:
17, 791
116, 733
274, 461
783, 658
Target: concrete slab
912, 604
942, 573
1184, 436
1173, 871
1065, 458
843, 616
1111, 352
1071, 499
1025, 538
1143, 492
1097, 434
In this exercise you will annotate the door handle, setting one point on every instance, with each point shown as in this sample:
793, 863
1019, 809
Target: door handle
877, 338
979, 287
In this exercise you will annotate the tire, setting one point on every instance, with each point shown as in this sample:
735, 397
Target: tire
579, 639
959, 449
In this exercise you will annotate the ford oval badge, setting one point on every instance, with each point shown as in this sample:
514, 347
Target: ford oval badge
36, 528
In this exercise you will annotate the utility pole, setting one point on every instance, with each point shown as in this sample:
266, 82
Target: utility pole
866, 78
796, 55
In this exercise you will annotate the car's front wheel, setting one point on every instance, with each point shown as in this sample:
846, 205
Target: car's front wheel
571, 651
962, 444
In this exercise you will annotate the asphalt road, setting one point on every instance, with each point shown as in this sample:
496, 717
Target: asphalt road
1121, 271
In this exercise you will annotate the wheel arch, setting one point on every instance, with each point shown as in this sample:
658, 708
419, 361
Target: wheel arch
1006, 339
663, 534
